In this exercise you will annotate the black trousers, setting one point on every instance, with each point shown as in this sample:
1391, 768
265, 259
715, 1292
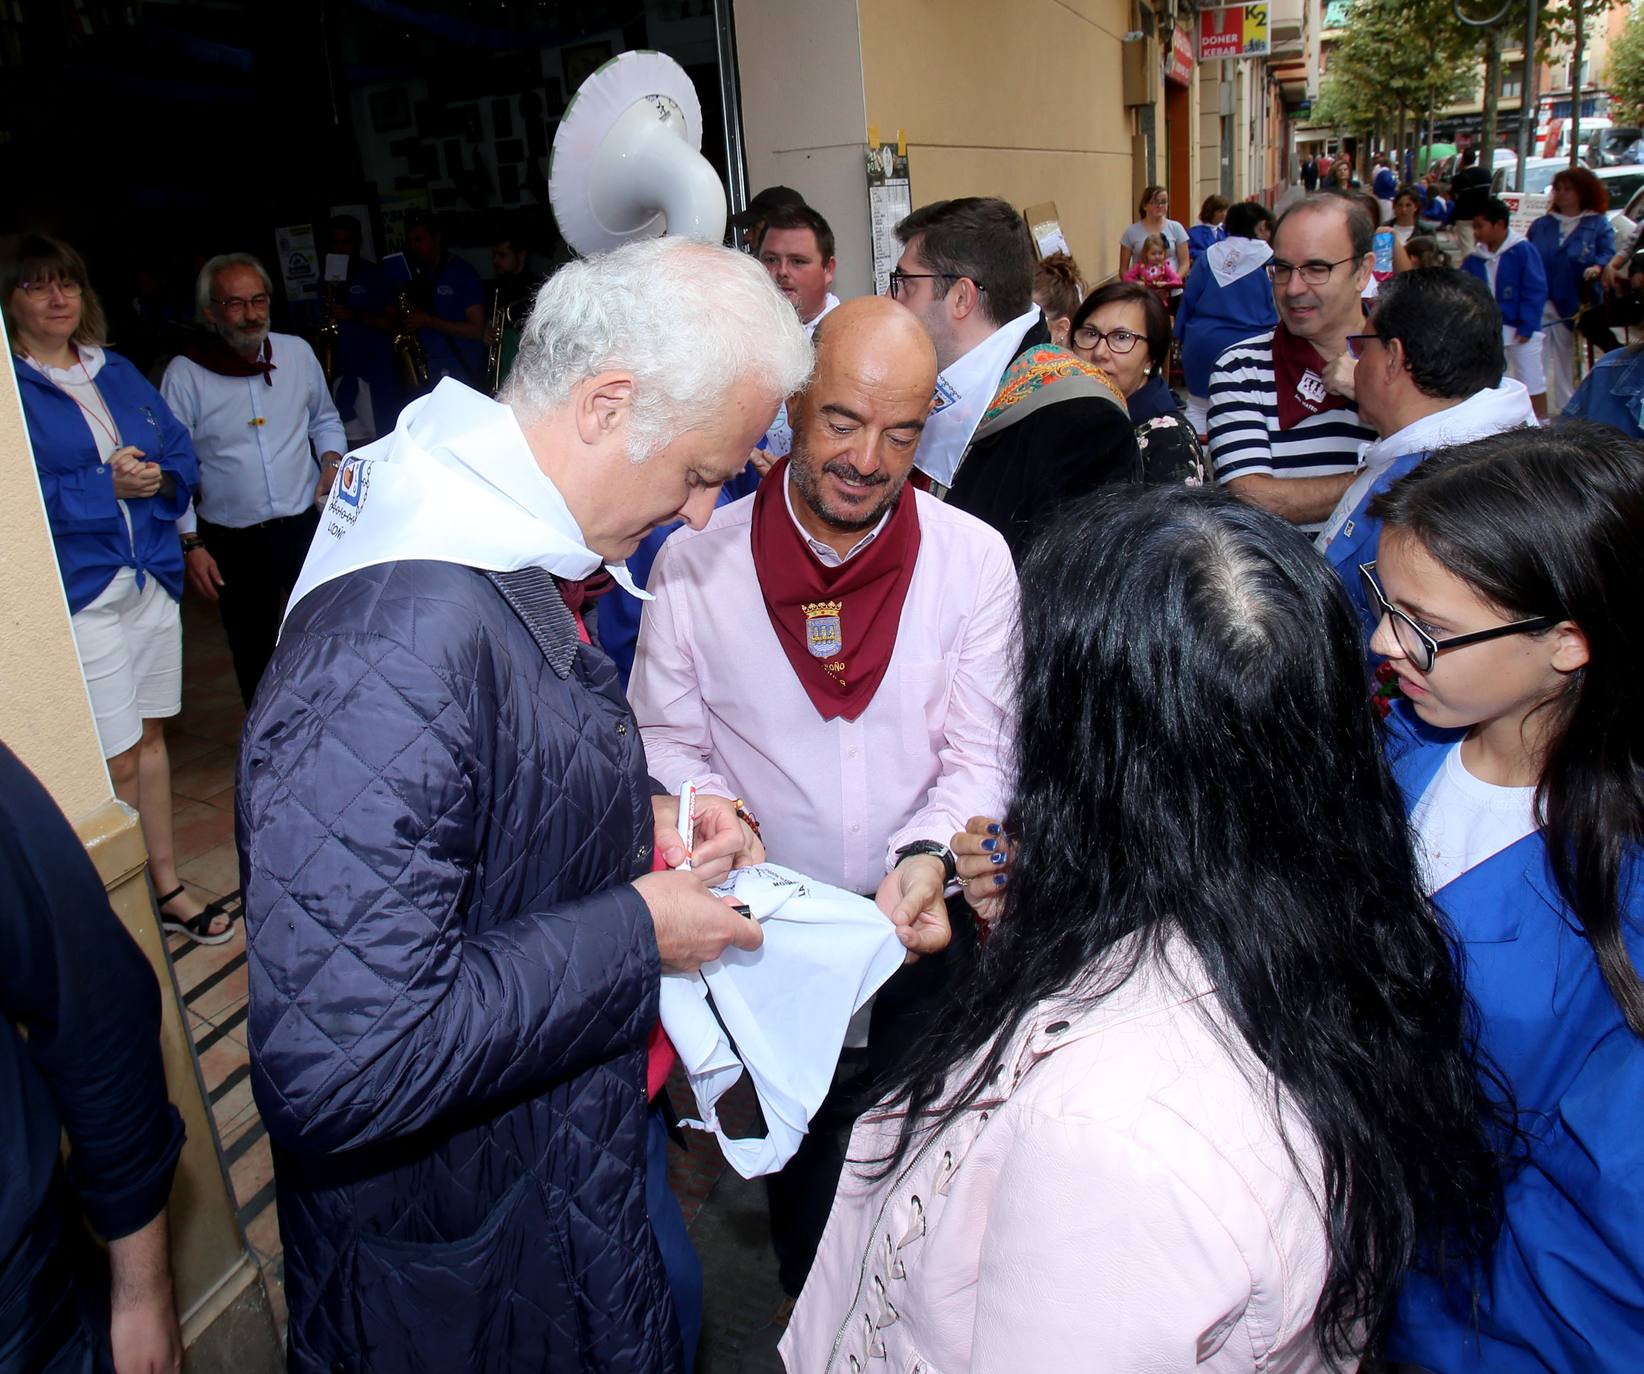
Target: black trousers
801, 1193
260, 565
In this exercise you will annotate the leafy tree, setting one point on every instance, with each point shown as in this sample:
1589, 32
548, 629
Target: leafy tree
1626, 75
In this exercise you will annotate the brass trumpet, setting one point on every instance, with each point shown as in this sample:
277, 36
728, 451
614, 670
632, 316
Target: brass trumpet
330, 334
493, 341
409, 356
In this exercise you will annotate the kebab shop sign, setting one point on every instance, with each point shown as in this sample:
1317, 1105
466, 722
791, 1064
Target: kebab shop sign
1232, 31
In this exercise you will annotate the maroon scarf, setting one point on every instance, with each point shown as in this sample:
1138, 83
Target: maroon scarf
208, 349
836, 625
1298, 378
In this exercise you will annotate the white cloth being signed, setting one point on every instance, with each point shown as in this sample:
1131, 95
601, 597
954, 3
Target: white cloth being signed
782, 1008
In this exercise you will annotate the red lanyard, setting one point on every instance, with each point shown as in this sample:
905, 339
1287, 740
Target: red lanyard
108, 425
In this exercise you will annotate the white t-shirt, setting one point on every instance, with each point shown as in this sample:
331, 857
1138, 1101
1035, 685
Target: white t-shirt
1460, 822
1134, 237
80, 384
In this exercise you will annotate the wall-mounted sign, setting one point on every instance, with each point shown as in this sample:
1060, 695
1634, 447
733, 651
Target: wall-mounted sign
1179, 64
1233, 31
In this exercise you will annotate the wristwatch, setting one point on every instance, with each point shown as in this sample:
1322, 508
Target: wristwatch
950, 865
192, 542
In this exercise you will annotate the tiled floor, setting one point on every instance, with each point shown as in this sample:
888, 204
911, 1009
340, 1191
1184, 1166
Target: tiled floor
724, 1213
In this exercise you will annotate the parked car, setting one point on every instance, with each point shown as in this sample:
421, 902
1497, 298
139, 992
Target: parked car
1612, 147
1538, 179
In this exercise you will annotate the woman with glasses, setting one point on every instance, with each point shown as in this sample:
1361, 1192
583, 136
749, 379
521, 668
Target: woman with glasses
1154, 219
1507, 574
1209, 1088
116, 470
1124, 329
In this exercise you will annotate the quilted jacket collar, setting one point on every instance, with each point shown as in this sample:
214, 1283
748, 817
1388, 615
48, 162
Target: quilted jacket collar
534, 596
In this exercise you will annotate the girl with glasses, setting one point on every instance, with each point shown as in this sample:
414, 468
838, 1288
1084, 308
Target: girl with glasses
1507, 572
1153, 217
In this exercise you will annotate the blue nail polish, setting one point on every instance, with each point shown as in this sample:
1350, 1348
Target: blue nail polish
998, 858
990, 845
994, 828
998, 879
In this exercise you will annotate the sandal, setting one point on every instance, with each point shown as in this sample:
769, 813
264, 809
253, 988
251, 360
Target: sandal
198, 928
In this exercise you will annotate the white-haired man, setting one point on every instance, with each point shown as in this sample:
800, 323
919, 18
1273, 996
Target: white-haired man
269, 441
448, 839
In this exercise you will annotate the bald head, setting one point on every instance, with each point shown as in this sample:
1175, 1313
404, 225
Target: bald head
857, 425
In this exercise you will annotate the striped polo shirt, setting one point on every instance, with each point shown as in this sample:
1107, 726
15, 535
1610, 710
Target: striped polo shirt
1245, 437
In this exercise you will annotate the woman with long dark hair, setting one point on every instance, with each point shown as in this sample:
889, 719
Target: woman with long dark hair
1507, 573
1208, 1090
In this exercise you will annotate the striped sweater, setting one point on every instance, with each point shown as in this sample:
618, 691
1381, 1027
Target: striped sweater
1245, 437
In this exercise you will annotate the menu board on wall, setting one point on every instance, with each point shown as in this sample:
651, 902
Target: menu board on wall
890, 201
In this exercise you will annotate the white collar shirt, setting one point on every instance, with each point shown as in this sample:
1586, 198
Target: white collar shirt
257, 443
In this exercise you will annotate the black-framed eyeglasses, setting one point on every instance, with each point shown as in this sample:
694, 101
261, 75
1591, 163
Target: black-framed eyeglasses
1313, 273
235, 304
899, 280
69, 290
1117, 340
1356, 342
1422, 648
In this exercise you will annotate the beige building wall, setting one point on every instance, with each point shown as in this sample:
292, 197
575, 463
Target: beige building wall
803, 117
1208, 93
1022, 101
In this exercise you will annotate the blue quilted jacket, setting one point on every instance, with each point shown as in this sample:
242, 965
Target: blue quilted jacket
442, 800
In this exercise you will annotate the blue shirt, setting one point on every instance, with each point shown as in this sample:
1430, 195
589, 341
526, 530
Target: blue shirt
1564, 1287
1384, 183
1613, 392
1200, 237
618, 616
253, 439
454, 288
88, 527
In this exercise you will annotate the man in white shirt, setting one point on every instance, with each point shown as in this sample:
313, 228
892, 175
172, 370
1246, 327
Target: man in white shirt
1020, 427
269, 441
797, 250
835, 651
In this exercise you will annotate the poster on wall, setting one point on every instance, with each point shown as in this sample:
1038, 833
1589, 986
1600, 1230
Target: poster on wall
890, 201
1045, 227
299, 261
1233, 31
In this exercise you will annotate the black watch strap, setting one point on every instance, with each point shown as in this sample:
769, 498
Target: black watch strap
950, 865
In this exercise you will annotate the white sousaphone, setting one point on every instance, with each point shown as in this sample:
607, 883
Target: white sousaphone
626, 163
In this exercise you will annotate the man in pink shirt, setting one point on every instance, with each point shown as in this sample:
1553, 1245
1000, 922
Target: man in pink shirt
835, 650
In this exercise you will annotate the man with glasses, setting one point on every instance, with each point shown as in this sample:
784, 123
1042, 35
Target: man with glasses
1018, 427
1427, 374
269, 441
1279, 437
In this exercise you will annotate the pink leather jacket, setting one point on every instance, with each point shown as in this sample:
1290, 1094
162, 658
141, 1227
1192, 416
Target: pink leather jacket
1121, 1201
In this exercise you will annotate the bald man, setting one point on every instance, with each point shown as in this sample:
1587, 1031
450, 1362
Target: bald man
835, 651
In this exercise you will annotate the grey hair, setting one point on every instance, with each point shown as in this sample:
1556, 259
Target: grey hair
206, 282
690, 320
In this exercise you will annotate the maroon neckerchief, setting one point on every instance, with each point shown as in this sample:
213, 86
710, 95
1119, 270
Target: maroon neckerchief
210, 352
1298, 378
836, 625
